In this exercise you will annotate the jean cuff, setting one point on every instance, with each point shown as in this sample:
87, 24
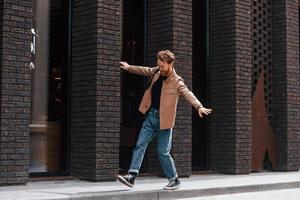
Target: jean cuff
133, 170
173, 178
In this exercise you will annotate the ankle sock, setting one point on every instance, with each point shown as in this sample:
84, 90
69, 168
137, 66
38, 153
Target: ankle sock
133, 173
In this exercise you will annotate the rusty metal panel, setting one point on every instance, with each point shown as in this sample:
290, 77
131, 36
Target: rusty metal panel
263, 138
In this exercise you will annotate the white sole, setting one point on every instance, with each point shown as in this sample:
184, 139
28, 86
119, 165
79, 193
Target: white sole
122, 180
172, 188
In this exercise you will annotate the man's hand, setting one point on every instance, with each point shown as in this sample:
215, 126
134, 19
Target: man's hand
124, 65
203, 110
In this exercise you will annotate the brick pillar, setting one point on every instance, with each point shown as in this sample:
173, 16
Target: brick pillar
170, 27
95, 89
15, 24
157, 26
230, 85
182, 46
286, 83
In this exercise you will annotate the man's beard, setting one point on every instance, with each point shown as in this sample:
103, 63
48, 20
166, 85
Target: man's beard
164, 73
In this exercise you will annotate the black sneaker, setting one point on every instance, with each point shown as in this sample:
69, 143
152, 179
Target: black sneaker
127, 179
174, 184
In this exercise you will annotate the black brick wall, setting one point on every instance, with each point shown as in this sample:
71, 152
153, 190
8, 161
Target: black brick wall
170, 27
95, 90
159, 38
230, 86
108, 89
95, 85
83, 90
15, 90
286, 83
182, 47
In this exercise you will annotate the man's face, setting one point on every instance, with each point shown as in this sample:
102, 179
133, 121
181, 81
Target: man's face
164, 67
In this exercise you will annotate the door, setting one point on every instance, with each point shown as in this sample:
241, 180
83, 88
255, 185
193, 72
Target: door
132, 86
200, 133
49, 98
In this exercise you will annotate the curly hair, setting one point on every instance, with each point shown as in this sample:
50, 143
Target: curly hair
166, 56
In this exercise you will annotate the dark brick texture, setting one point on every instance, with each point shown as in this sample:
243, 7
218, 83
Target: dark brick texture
95, 85
230, 86
170, 27
15, 90
286, 83
95, 90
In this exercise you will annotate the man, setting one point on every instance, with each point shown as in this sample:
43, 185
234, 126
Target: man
159, 103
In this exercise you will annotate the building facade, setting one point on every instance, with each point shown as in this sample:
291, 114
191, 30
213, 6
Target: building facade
68, 110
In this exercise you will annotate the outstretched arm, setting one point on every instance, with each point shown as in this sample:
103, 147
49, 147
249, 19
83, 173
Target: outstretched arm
183, 90
144, 71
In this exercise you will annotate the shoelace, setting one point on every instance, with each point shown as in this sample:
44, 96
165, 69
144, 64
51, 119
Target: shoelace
129, 176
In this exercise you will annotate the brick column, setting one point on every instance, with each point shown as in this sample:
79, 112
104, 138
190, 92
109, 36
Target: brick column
182, 46
230, 85
170, 27
286, 83
159, 37
95, 89
15, 24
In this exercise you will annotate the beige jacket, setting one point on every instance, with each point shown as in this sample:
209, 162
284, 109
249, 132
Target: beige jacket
172, 88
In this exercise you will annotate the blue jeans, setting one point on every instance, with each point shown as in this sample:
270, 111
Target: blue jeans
149, 130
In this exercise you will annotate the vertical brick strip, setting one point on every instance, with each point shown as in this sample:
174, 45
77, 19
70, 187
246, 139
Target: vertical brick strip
230, 86
243, 87
182, 46
108, 89
222, 85
95, 90
286, 83
83, 90
159, 38
16, 20
170, 27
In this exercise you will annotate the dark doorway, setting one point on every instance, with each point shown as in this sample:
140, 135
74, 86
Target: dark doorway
132, 87
200, 135
49, 103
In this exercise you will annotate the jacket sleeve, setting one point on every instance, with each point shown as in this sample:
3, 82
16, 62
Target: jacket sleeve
144, 71
183, 90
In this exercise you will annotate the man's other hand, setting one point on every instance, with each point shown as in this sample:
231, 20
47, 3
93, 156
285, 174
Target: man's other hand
124, 65
203, 110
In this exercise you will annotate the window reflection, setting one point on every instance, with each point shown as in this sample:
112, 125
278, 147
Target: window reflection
48, 135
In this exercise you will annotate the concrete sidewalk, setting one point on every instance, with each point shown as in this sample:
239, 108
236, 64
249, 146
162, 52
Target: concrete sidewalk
151, 187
